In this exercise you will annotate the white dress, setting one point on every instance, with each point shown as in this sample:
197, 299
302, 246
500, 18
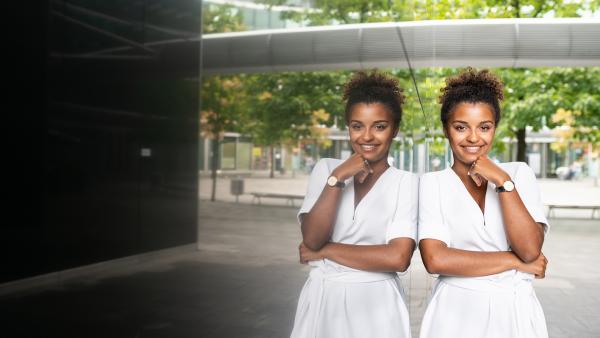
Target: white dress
503, 305
339, 301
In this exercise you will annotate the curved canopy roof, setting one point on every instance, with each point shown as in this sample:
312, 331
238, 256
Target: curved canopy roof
447, 43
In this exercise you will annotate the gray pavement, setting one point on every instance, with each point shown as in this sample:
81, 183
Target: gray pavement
244, 281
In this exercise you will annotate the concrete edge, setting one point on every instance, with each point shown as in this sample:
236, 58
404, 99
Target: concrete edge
58, 278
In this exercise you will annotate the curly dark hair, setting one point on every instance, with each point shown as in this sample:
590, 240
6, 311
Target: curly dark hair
471, 86
374, 87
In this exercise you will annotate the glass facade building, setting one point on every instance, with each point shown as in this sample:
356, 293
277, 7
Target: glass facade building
103, 150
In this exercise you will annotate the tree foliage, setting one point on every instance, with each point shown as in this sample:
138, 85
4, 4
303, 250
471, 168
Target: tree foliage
533, 95
283, 107
221, 19
222, 97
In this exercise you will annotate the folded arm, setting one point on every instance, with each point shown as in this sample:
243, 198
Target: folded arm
524, 234
438, 258
394, 256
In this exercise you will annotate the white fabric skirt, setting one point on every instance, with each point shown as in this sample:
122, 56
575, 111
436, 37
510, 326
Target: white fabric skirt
339, 302
502, 306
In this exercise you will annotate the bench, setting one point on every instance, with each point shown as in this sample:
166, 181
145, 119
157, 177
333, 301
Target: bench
552, 207
288, 197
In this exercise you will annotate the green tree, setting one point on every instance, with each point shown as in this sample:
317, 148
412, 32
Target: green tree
223, 104
288, 106
529, 101
578, 90
222, 97
534, 96
221, 19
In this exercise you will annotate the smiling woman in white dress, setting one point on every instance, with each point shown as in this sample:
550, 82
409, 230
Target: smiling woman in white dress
358, 223
481, 225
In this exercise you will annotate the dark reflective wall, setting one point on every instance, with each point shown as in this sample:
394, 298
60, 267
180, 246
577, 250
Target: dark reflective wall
104, 145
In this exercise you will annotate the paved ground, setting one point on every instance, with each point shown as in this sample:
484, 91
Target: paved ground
244, 282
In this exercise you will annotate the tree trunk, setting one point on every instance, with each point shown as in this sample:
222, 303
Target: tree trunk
214, 167
272, 155
521, 145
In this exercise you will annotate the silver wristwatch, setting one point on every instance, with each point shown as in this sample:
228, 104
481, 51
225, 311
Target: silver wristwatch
506, 186
332, 181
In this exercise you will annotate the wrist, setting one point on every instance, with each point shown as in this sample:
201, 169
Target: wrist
500, 179
325, 251
516, 263
339, 175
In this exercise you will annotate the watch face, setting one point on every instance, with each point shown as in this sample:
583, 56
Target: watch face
332, 180
509, 186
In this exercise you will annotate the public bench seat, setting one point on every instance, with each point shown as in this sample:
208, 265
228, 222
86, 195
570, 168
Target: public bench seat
290, 198
593, 208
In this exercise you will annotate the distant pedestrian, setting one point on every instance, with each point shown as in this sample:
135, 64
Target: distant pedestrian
358, 225
309, 162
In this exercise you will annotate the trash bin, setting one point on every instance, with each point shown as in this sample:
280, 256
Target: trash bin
237, 187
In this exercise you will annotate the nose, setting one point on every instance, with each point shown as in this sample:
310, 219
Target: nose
473, 137
368, 134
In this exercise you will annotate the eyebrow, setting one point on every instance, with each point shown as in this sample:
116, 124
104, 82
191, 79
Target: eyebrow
465, 122
378, 121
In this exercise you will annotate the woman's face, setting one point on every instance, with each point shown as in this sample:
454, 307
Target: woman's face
470, 131
371, 128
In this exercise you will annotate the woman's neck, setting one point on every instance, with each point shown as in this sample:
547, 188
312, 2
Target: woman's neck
461, 169
379, 166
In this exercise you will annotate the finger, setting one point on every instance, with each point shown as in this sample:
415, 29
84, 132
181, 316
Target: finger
476, 178
474, 164
368, 167
362, 176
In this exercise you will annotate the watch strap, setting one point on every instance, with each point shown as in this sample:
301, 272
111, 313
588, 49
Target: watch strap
501, 188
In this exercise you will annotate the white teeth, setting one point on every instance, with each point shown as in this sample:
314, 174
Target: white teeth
367, 147
472, 149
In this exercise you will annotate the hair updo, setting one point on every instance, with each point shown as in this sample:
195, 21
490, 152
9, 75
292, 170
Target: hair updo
374, 87
471, 86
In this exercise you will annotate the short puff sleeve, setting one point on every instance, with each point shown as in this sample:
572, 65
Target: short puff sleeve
529, 191
316, 183
431, 219
404, 222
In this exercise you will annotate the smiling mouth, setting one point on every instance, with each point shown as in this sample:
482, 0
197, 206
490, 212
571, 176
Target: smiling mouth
472, 149
367, 147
